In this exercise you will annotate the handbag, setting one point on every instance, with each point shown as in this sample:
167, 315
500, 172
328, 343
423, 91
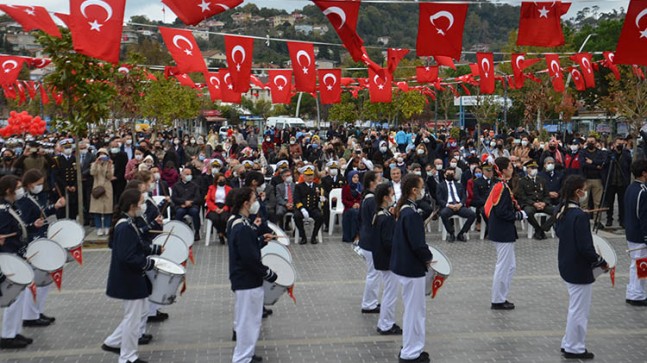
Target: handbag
98, 192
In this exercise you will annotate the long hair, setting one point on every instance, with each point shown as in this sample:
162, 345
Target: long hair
381, 192
127, 199
569, 186
237, 197
8, 182
409, 182
369, 177
501, 163
32, 176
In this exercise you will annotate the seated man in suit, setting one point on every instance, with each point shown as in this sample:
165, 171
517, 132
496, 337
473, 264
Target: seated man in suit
451, 196
284, 196
533, 198
187, 200
553, 180
307, 197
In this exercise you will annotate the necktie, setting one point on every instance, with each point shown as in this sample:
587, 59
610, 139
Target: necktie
452, 200
289, 192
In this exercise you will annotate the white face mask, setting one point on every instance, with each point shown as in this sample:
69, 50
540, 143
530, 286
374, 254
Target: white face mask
129, 142
333, 172
188, 178
141, 210
550, 167
524, 143
151, 187
383, 149
139, 157
574, 148
114, 150
288, 179
157, 176
585, 197
421, 194
253, 209
439, 167
417, 172
260, 188
37, 189
215, 170
20, 193
420, 151
453, 165
532, 172
84, 151
67, 151
492, 144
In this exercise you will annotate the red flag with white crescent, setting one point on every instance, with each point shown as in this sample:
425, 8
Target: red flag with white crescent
632, 44
330, 86
228, 92
77, 253
214, 83
302, 56
10, 68
343, 18
184, 50
578, 79
426, 74
555, 72
641, 268
57, 276
609, 63
379, 87
540, 23
586, 68
485, 63
440, 29
436, 284
192, 12
280, 84
32, 288
32, 18
239, 61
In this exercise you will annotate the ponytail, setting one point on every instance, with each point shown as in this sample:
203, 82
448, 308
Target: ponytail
409, 182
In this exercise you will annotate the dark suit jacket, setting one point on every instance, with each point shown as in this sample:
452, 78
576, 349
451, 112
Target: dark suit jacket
529, 192
161, 188
442, 194
432, 186
481, 191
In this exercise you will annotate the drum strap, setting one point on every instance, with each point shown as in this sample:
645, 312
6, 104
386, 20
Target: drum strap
130, 222
23, 228
34, 201
148, 198
643, 188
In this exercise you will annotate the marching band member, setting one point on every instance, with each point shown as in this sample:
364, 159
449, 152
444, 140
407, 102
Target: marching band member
636, 231
577, 259
13, 240
126, 279
368, 208
502, 210
246, 273
410, 259
34, 209
384, 225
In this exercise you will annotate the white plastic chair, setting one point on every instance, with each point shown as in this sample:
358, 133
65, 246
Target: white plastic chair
158, 199
452, 219
208, 226
538, 217
338, 210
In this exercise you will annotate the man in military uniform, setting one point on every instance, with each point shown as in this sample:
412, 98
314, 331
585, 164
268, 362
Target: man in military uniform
65, 176
307, 196
331, 181
533, 198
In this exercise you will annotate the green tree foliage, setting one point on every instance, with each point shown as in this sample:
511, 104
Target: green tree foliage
344, 112
166, 100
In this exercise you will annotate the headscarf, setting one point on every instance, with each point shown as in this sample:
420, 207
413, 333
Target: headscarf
355, 188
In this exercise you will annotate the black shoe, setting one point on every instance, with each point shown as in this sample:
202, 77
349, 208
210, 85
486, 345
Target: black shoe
539, 235
12, 343
600, 226
314, 241
50, 318
221, 238
585, 355
422, 358
36, 323
461, 237
110, 349
160, 316
608, 224
451, 237
257, 358
303, 241
138, 361
196, 238
562, 350
145, 339
637, 302
371, 311
395, 330
233, 336
267, 312
502, 306
24, 339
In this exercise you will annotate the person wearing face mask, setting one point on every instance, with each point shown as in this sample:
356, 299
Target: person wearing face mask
101, 206
572, 160
522, 150
7, 165
329, 182
34, 207
594, 161
295, 148
382, 154
160, 187
65, 176
553, 180
127, 146
191, 149
307, 200
284, 196
618, 175
126, 278
420, 156
351, 198
451, 199
533, 198
217, 210
481, 190
577, 258
133, 164
267, 144
186, 199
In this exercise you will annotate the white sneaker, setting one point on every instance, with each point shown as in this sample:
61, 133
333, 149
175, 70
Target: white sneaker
99, 231
106, 231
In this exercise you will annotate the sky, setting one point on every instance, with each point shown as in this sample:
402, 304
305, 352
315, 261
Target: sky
153, 8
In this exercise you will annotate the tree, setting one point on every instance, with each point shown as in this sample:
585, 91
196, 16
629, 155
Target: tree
344, 112
166, 100
410, 104
629, 95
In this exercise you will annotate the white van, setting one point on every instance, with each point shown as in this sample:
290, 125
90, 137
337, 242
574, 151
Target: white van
282, 122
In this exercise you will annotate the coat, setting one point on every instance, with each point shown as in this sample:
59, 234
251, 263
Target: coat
409, 251
102, 173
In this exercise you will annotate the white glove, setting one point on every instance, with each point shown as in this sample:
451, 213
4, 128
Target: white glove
322, 199
525, 216
305, 213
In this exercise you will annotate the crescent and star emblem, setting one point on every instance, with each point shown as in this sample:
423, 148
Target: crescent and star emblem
95, 25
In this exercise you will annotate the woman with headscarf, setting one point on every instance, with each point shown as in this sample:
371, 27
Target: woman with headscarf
351, 196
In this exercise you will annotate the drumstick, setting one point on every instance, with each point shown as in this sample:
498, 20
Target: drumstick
168, 236
636, 249
9, 275
155, 231
32, 256
596, 210
8, 235
60, 195
55, 233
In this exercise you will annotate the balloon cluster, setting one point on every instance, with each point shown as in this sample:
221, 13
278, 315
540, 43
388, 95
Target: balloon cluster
23, 123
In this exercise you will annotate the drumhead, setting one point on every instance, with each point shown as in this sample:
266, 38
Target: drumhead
442, 265
46, 255
282, 268
181, 230
605, 250
169, 266
175, 249
282, 237
277, 249
67, 233
16, 269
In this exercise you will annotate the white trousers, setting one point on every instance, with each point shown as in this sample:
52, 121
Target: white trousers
579, 305
12, 316
152, 308
636, 286
32, 310
247, 322
389, 299
372, 287
413, 319
128, 332
503, 272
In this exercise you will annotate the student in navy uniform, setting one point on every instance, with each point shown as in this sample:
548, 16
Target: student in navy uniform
11, 190
34, 208
635, 218
383, 224
410, 260
577, 259
367, 211
126, 279
503, 233
246, 273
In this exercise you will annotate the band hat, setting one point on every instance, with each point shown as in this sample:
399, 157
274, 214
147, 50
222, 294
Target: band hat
282, 164
216, 162
531, 164
332, 165
308, 170
247, 164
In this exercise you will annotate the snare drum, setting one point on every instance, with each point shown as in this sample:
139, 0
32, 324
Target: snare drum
181, 230
286, 277
281, 236
45, 256
440, 266
67, 233
18, 275
175, 249
166, 278
604, 249
277, 249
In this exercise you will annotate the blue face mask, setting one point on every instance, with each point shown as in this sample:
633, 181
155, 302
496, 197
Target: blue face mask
201, 157
392, 166
478, 175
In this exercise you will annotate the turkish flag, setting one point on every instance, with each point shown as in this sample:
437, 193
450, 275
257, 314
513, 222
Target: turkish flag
555, 72
228, 92
21, 93
192, 12
184, 50
10, 68
394, 56
474, 69
641, 268
38, 62
96, 27
280, 83
43, 94
213, 82
31, 88
329, 85
191, 258
585, 62
440, 29
403, 86
32, 18
9, 91
485, 63
343, 17
379, 88
638, 72
609, 63
578, 79
185, 80
303, 64
32, 288
632, 45
77, 253
445, 61
540, 23
426, 74
239, 61
436, 284
57, 276
612, 276
519, 63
